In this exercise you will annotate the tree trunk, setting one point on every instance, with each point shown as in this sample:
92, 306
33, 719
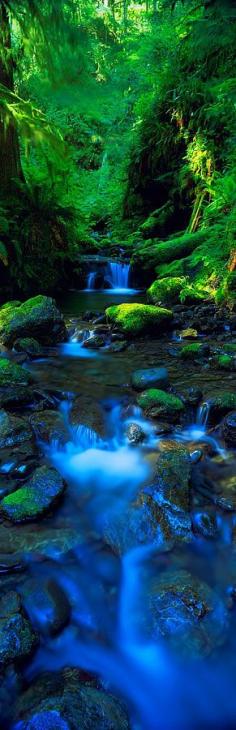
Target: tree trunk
10, 164
125, 13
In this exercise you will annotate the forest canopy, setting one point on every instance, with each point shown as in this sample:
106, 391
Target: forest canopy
117, 126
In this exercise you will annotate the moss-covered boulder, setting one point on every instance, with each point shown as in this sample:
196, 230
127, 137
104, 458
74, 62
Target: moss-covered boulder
226, 362
135, 319
221, 404
194, 351
28, 345
17, 638
13, 374
150, 377
166, 291
35, 498
161, 404
38, 317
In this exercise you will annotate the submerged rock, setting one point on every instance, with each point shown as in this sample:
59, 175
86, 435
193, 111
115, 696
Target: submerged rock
159, 404
150, 378
35, 498
72, 701
135, 319
38, 317
17, 638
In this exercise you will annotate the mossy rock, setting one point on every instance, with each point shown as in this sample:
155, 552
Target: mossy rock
13, 374
35, 498
28, 345
150, 377
135, 319
166, 291
160, 404
230, 347
38, 317
226, 362
221, 404
194, 351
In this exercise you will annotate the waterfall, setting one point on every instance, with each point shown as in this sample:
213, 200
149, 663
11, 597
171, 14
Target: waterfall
119, 275
203, 413
91, 280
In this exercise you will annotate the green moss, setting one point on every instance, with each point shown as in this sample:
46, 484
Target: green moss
13, 374
225, 362
159, 398
190, 352
230, 347
134, 319
166, 290
35, 498
37, 316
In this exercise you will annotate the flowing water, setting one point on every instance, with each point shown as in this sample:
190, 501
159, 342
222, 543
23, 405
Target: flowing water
114, 277
109, 633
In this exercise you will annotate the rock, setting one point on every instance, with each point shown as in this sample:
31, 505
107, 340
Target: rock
28, 345
159, 404
35, 498
38, 317
49, 426
166, 291
204, 523
46, 605
194, 351
95, 342
215, 478
150, 378
188, 333
226, 362
117, 346
136, 319
13, 430
74, 699
17, 638
192, 396
16, 396
221, 404
12, 374
186, 613
135, 434
228, 429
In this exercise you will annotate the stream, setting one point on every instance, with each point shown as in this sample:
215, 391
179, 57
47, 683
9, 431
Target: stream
148, 612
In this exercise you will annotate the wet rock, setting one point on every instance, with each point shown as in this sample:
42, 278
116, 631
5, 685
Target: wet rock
216, 480
228, 429
13, 430
204, 523
189, 333
150, 378
221, 404
49, 426
46, 605
28, 345
187, 614
17, 638
38, 317
75, 701
192, 396
35, 498
226, 362
16, 396
159, 404
12, 374
95, 342
195, 351
118, 346
135, 434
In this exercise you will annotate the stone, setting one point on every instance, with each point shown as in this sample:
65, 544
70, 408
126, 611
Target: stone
150, 378
49, 426
220, 404
46, 605
13, 430
12, 374
195, 351
95, 342
135, 319
38, 317
17, 638
228, 429
135, 434
204, 523
28, 345
159, 404
35, 498
166, 291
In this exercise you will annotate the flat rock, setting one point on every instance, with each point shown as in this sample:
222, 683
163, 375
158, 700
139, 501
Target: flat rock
150, 378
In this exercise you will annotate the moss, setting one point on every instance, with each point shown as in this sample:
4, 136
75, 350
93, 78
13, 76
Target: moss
35, 498
134, 319
37, 316
230, 347
13, 374
225, 362
159, 398
190, 352
166, 290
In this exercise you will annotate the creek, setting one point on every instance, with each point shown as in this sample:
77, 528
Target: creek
152, 618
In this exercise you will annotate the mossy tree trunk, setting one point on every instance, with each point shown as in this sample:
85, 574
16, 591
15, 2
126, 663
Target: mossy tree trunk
10, 163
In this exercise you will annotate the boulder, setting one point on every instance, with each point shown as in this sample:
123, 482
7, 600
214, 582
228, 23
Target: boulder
12, 374
13, 430
17, 638
166, 291
136, 319
28, 345
35, 498
159, 404
150, 378
38, 317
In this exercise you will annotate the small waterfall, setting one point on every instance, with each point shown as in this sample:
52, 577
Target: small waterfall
91, 280
119, 275
203, 413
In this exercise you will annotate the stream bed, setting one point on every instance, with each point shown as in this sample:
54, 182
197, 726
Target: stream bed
129, 585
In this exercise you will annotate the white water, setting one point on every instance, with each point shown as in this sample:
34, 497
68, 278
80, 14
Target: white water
116, 274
